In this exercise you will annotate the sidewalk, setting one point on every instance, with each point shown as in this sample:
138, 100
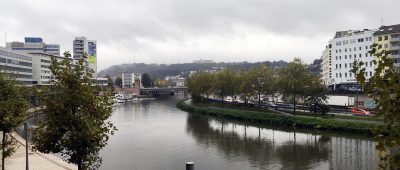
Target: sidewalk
37, 160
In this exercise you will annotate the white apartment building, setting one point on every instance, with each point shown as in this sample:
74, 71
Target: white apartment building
326, 65
81, 46
128, 79
347, 47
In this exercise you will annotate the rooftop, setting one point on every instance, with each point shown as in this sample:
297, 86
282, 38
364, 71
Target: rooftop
388, 29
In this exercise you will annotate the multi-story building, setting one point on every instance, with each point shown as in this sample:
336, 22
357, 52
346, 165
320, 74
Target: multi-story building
128, 79
347, 47
83, 46
388, 38
34, 45
17, 64
326, 65
41, 72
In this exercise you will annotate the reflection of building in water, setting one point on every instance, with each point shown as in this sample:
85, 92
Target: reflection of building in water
352, 153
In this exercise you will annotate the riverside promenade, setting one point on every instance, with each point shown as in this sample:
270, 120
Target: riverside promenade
37, 160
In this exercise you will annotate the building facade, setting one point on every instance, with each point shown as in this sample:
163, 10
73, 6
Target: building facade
388, 38
83, 46
128, 79
326, 65
347, 47
34, 45
17, 64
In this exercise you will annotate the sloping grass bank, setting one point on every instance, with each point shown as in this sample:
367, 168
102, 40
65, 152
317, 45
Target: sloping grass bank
281, 120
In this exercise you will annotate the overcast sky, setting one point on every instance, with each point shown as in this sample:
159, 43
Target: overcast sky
178, 31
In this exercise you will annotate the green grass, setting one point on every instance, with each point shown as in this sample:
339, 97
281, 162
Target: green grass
270, 118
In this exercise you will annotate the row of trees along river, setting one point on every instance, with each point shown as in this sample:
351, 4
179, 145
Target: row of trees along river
294, 82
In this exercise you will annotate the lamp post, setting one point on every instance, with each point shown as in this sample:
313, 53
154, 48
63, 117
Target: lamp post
26, 145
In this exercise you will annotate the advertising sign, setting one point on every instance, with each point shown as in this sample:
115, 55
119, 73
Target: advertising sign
92, 52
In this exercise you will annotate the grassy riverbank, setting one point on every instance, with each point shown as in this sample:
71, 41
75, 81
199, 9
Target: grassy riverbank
271, 118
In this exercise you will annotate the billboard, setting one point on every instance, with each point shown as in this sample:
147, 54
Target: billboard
92, 52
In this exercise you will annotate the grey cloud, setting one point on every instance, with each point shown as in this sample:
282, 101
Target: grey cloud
165, 31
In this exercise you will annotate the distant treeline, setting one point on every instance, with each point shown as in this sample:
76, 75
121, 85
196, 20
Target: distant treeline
159, 71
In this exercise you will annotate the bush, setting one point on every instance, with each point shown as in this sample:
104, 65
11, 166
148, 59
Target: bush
281, 120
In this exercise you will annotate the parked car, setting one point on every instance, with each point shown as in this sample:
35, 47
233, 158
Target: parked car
357, 111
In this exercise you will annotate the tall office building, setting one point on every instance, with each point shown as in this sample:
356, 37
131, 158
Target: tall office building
81, 46
388, 38
34, 45
345, 48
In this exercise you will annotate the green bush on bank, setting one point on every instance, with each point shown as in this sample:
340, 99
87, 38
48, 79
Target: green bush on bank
281, 120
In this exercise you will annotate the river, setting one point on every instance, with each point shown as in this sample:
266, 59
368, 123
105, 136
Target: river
154, 134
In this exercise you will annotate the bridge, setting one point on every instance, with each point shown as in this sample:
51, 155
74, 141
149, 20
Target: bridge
161, 91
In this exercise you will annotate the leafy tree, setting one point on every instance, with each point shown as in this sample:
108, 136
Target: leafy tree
75, 116
244, 85
384, 87
223, 83
262, 81
199, 84
118, 81
294, 80
315, 95
146, 80
12, 113
110, 82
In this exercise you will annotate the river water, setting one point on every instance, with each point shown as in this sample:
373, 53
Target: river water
155, 135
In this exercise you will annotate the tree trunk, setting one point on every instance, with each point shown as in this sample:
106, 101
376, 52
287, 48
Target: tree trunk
3, 148
259, 100
294, 102
79, 166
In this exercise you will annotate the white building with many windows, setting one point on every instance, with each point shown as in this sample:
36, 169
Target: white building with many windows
345, 48
17, 64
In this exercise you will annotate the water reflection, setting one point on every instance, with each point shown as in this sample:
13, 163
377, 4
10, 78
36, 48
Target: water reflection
274, 149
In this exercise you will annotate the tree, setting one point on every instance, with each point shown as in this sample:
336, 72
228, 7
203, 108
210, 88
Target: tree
315, 95
384, 87
293, 81
75, 123
244, 85
118, 81
146, 80
110, 82
223, 83
262, 81
12, 113
199, 85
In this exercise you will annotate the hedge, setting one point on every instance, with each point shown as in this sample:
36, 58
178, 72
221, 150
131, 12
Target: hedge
282, 120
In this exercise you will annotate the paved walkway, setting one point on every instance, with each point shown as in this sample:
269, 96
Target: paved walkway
37, 160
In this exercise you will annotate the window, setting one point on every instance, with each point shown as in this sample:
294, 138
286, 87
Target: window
345, 50
340, 57
366, 54
349, 56
380, 38
395, 36
355, 56
366, 47
355, 48
345, 65
349, 64
359, 55
366, 64
370, 73
359, 48
386, 45
371, 64
336, 75
350, 74
345, 56
349, 49
336, 57
336, 66
386, 37
340, 50
345, 75
340, 74
379, 46
340, 66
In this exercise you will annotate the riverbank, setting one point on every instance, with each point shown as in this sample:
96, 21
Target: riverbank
276, 119
37, 160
